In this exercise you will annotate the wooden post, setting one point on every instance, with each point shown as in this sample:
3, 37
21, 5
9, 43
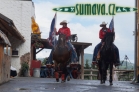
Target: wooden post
91, 74
10, 51
34, 53
82, 63
1, 59
7, 49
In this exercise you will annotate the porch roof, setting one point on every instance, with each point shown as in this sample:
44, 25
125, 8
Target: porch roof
77, 45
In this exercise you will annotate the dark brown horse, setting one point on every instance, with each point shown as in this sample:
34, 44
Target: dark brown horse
107, 57
61, 56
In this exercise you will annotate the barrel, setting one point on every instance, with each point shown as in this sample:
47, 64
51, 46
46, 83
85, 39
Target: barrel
36, 72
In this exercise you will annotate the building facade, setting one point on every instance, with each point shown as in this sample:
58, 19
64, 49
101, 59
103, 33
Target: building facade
20, 12
137, 40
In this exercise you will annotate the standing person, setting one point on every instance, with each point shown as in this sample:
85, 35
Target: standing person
69, 70
52, 70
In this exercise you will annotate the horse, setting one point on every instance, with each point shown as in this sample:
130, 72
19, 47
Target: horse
107, 57
61, 57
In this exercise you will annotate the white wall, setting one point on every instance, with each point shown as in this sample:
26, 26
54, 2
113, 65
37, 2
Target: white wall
20, 12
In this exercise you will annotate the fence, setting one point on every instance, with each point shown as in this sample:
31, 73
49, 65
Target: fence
93, 73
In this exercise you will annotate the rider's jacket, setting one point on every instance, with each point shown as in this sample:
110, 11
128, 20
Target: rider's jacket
102, 32
64, 30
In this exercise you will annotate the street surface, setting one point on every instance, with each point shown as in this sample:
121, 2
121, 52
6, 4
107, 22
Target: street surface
31, 84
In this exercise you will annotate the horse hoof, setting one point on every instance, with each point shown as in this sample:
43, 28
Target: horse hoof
68, 79
111, 83
62, 81
103, 82
57, 80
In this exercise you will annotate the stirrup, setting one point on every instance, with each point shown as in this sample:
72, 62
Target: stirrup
97, 59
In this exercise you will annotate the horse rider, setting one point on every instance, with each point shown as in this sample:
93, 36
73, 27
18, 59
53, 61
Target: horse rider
65, 30
102, 33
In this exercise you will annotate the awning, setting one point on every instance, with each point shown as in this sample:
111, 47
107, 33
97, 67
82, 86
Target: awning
5, 39
77, 45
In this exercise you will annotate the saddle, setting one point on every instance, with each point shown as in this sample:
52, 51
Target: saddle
98, 54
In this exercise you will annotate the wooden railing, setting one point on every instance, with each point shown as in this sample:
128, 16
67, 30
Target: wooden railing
95, 70
124, 70
91, 73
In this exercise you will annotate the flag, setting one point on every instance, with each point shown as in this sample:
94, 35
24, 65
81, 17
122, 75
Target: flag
52, 35
111, 26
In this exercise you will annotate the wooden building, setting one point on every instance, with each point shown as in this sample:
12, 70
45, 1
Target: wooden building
7, 32
19, 32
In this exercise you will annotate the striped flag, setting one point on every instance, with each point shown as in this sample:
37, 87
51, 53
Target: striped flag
111, 26
52, 35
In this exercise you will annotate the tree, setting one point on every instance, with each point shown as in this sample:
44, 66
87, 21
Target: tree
44, 61
86, 64
86, 67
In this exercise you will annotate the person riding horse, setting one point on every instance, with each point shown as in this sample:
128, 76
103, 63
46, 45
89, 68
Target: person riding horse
102, 33
66, 31
106, 57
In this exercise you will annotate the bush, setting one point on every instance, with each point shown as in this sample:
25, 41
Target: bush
24, 68
44, 61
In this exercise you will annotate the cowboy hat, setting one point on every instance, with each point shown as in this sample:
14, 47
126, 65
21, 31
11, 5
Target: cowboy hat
64, 21
103, 23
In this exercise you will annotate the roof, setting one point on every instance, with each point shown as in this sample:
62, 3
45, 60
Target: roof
7, 25
77, 45
5, 39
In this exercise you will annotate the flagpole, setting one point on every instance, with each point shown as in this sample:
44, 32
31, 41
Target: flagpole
113, 23
55, 28
56, 19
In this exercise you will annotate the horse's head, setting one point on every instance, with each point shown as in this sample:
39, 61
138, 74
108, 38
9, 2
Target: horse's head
108, 39
62, 39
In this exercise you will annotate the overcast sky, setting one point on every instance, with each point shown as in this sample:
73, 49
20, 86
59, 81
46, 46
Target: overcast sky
87, 27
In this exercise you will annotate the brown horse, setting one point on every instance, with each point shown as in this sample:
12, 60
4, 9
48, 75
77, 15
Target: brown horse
61, 56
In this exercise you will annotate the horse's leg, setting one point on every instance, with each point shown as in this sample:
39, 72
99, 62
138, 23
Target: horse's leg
100, 71
104, 72
56, 72
63, 77
111, 69
65, 71
68, 73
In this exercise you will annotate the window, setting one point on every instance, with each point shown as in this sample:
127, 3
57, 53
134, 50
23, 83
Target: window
15, 53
